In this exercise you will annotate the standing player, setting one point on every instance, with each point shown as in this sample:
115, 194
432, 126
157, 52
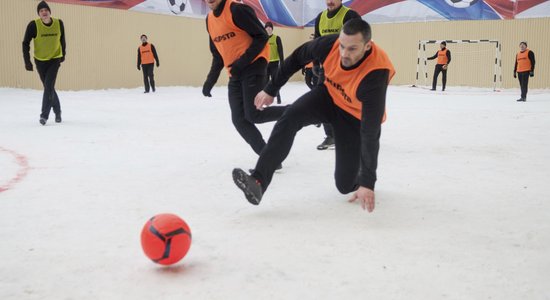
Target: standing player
443, 60
49, 52
238, 41
146, 57
352, 99
330, 21
525, 68
276, 54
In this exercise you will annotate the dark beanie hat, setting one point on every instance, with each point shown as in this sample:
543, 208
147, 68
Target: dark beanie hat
42, 5
269, 24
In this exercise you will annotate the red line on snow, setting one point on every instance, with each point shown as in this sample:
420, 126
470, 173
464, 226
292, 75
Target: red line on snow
23, 169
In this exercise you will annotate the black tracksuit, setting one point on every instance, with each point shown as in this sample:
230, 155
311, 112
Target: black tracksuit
46, 69
523, 77
350, 14
273, 66
148, 75
439, 69
247, 78
357, 141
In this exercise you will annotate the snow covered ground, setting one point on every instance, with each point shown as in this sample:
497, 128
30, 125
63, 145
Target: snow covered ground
463, 201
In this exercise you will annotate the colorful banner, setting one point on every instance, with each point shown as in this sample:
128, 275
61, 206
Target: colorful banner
298, 13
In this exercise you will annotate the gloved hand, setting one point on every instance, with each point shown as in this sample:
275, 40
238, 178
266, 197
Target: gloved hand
515, 75
531, 74
158, 65
28, 67
62, 59
236, 69
206, 88
139, 68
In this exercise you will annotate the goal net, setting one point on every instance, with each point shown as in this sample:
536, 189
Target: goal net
475, 63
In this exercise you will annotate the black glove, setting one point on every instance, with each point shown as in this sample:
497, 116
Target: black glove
158, 65
531, 74
206, 88
28, 67
139, 68
515, 75
236, 69
62, 59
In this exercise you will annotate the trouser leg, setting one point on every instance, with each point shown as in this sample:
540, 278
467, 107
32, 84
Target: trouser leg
48, 74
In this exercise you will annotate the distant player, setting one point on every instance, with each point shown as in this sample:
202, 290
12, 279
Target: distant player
352, 99
49, 52
524, 68
146, 57
443, 60
276, 54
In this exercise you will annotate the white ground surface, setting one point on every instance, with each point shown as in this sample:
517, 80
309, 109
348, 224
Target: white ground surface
463, 204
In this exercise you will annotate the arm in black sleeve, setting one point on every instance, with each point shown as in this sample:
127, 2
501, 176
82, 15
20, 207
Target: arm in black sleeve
316, 32
215, 68
317, 49
280, 50
516, 66
351, 14
531, 56
62, 39
155, 54
372, 93
245, 18
139, 59
448, 56
432, 57
30, 33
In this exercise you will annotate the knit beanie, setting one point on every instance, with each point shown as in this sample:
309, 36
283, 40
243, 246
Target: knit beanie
42, 5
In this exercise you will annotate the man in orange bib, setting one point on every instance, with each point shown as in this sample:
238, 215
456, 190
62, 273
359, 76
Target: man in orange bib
352, 99
146, 57
443, 60
524, 68
238, 41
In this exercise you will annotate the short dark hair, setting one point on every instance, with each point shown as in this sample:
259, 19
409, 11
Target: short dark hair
268, 24
355, 26
143, 35
523, 42
444, 43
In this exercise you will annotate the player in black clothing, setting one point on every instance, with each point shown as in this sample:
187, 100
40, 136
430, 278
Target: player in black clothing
352, 99
443, 60
49, 52
146, 57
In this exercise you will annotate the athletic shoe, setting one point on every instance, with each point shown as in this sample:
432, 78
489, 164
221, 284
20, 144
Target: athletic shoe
58, 118
432, 89
250, 186
43, 121
521, 100
326, 144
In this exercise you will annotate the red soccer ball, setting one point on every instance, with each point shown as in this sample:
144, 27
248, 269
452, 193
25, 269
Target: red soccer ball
165, 239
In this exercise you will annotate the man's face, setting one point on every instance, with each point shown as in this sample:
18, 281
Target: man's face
522, 47
144, 39
441, 46
44, 14
352, 48
333, 4
213, 4
269, 30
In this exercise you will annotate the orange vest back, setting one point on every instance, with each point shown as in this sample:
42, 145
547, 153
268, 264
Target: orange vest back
146, 54
524, 63
342, 84
230, 41
442, 58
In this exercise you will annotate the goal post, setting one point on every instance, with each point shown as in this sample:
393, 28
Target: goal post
471, 62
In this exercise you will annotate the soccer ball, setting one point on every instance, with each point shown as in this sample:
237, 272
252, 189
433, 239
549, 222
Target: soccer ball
461, 3
176, 6
165, 239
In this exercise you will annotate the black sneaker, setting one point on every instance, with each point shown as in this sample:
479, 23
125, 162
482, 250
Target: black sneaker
43, 121
58, 118
432, 89
521, 100
326, 144
249, 185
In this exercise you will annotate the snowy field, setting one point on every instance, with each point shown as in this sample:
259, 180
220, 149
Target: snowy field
462, 212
